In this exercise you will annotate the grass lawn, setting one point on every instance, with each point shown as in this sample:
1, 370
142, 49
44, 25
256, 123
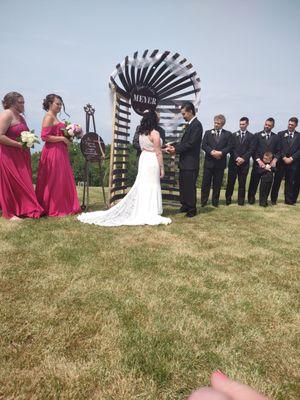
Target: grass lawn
149, 312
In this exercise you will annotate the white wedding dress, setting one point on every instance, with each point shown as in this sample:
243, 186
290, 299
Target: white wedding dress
143, 203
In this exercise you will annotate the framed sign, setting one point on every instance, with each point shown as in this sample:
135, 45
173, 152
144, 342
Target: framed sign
92, 147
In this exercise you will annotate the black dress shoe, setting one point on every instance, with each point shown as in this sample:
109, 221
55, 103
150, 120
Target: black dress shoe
190, 214
228, 202
251, 200
203, 204
273, 203
215, 205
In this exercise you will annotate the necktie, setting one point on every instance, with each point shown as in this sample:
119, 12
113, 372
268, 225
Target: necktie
242, 136
218, 136
268, 136
290, 138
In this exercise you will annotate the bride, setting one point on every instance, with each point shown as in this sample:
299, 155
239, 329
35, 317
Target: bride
143, 203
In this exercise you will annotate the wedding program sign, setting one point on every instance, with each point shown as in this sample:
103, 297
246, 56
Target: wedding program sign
90, 147
142, 99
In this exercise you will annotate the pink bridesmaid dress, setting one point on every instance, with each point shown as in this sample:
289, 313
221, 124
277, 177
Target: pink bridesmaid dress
55, 188
17, 196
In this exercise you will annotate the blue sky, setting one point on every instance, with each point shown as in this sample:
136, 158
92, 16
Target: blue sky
246, 53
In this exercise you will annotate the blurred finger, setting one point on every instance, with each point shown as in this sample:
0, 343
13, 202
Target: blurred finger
207, 393
233, 389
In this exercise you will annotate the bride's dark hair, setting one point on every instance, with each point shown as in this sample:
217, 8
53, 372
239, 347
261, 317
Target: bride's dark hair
148, 123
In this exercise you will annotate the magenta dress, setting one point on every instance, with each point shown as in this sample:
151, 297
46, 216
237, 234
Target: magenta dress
17, 196
55, 187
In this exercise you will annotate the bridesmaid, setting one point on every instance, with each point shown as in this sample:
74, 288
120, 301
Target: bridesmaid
55, 188
17, 196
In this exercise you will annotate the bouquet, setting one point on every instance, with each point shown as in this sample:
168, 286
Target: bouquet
28, 139
72, 131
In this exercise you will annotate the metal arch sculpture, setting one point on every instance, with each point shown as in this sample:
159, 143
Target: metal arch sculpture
157, 81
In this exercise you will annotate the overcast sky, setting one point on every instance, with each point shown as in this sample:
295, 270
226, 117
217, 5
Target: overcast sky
246, 53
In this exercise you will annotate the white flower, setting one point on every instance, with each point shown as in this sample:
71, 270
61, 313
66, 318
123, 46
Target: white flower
25, 136
286, 134
28, 138
213, 131
263, 134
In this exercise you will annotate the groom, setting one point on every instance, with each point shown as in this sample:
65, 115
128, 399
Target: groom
189, 157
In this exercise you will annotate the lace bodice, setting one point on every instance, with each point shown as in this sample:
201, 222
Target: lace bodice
145, 143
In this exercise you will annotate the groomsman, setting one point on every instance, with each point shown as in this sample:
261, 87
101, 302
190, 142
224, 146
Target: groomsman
216, 143
264, 141
238, 166
189, 157
288, 163
297, 182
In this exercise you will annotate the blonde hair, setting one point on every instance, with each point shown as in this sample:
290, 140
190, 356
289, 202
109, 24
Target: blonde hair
10, 99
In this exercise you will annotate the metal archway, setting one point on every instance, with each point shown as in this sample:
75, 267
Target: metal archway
158, 81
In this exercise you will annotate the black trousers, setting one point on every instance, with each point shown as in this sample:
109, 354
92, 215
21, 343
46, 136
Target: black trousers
289, 172
241, 173
212, 176
188, 189
253, 185
296, 188
264, 191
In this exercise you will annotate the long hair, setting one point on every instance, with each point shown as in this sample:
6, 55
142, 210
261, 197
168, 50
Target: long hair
148, 123
49, 99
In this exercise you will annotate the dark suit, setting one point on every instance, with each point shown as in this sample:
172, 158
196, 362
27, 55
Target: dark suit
242, 147
266, 181
189, 158
289, 148
297, 182
261, 145
136, 143
214, 168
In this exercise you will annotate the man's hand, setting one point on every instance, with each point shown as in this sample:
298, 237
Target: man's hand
239, 161
216, 154
288, 160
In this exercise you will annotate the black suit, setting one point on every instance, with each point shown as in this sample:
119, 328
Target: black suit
266, 181
261, 145
289, 148
214, 168
189, 158
242, 147
136, 142
297, 182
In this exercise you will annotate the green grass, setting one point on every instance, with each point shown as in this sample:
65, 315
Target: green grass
149, 312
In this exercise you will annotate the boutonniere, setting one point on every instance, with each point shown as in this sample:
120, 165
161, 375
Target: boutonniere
184, 128
237, 133
213, 132
286, 134
263, 134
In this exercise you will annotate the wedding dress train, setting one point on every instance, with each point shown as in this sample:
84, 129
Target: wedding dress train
143, 203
